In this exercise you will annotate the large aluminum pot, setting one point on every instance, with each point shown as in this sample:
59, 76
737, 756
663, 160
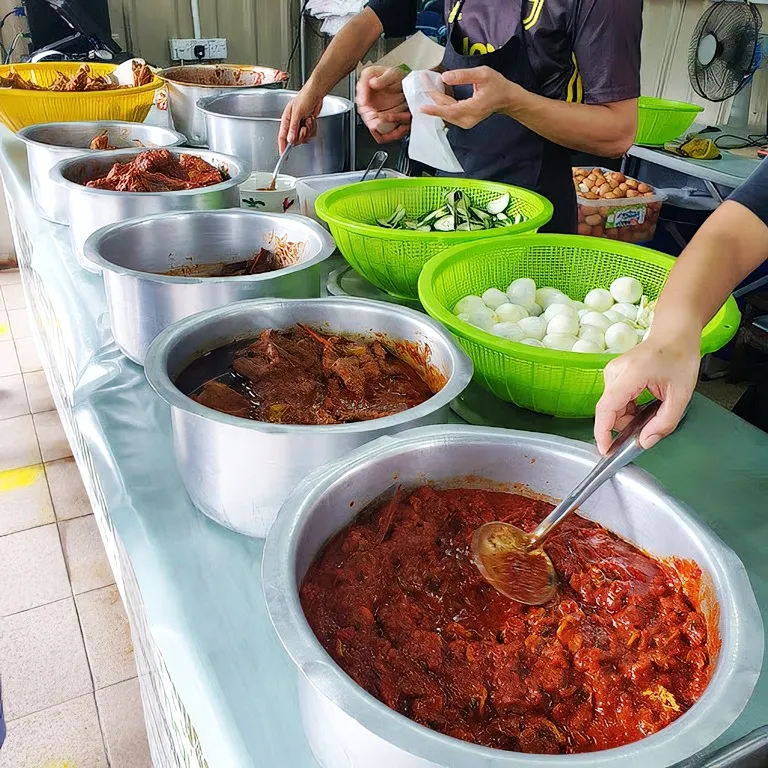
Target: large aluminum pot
48, 143
142, 303
186, 84
239, 471
91, 209
247, 124
347, 727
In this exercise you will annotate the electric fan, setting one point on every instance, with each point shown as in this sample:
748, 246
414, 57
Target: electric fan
725, 49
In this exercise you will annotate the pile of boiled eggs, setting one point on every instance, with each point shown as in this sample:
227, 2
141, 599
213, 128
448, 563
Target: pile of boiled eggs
606, 321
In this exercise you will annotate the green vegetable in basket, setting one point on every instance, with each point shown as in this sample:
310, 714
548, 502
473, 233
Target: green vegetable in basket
457, 214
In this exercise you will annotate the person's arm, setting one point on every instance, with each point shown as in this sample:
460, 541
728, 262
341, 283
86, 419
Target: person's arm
728, 247
606, 130
606, 48
343, 54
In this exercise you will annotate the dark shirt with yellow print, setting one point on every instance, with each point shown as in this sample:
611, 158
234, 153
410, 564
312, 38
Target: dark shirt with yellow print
580, 50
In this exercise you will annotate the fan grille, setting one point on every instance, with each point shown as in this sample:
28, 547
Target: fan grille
735, 26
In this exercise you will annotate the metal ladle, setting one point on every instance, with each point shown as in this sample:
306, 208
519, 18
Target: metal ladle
273, 181
513, 561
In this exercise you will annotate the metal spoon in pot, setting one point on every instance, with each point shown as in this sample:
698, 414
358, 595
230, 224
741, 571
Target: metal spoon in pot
273, 181
513, 561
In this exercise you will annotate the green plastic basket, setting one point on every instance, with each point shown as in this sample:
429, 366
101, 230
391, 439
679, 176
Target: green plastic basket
392, 259
565, 384
661, 120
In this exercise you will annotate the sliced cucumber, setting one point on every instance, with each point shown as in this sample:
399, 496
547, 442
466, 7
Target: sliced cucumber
499, 205
446, 224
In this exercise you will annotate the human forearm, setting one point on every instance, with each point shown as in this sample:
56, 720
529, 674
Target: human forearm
345, 52
607, 130
728, 246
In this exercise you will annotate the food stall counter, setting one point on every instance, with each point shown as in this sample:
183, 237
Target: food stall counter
217, 688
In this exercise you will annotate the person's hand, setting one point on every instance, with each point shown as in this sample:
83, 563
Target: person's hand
668, 368
492, 93
381, 104
298, 123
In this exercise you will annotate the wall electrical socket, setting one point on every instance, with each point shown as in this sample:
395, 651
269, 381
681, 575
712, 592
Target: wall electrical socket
203, 49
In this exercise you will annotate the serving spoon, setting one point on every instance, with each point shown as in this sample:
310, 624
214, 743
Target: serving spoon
513, 561
273, 181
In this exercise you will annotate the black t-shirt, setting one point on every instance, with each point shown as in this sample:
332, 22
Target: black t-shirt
580, 50
753, 193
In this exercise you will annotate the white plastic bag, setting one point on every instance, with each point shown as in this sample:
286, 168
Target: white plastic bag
428, 143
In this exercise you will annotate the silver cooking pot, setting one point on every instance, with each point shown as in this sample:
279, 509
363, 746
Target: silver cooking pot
142, 303
247, 124
186, 84
91, 209
48, 143
239, 471
348, 727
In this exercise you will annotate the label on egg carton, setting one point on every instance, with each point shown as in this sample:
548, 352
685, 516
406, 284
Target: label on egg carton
631, 216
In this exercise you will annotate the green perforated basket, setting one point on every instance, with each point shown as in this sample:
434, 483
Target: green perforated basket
391, 258
565, 384
662, 120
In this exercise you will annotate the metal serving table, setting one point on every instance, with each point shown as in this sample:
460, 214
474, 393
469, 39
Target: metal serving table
217, 688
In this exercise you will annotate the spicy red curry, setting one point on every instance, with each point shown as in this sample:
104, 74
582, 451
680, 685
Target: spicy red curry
618, 654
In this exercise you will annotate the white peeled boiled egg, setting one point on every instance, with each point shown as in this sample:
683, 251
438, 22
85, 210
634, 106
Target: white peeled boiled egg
585, 345
510, 331
582, 312
482, 318
629, 311
614, 317
597, 319
534, 309
547, 296
559, 309
621, 337
532, 342
468, 304
578, 305
592, 334
561, 341
511, 313
568, 324
522, 291
493, 298
599, 300
626, 290
533, 327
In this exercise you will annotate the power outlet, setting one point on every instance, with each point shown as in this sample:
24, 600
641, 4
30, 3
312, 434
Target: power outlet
187, 49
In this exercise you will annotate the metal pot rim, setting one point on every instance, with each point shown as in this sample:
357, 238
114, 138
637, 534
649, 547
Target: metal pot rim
242, 168
311, 659
163, 74
205, 104
23, 134
92, 246
156, 369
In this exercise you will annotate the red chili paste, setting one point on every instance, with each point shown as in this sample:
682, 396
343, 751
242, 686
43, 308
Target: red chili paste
618, 654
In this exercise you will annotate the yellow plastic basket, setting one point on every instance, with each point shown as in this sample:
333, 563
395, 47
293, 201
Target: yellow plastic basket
18, 108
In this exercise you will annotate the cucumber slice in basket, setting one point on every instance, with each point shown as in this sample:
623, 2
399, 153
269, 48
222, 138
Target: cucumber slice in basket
499, 205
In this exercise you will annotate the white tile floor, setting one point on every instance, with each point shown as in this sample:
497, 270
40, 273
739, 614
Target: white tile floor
70, 691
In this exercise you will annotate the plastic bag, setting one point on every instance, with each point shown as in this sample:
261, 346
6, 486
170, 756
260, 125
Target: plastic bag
428, 143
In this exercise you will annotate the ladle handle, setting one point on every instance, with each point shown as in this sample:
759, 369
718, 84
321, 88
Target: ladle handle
279, 165
624, 450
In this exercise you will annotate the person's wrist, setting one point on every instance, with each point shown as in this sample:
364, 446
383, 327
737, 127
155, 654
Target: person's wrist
516, 100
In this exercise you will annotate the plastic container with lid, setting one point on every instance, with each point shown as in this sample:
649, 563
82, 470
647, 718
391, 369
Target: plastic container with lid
631, 220
309, 188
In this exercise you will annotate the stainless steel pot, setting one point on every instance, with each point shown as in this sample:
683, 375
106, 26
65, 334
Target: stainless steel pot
239, 471
48, 143
142, 303
185, 85
91, 209
347, 727
247, 124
